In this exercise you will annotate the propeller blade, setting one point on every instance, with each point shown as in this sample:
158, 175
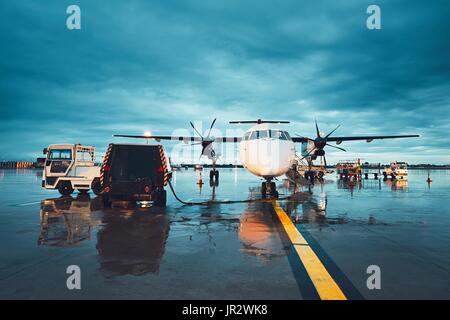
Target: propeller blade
342, 149
309, 153
317, 128
192, 125
325, 161
332, 132
203, 150
210, 128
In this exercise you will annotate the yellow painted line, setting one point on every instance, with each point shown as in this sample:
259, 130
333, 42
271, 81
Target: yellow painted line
325, 285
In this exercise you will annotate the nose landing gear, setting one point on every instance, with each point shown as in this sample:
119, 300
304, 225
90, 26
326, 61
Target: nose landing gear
269, 187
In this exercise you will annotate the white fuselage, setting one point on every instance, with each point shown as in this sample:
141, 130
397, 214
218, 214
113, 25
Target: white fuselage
267, 151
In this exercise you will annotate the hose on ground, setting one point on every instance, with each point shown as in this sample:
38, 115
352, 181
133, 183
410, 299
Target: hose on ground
212, 202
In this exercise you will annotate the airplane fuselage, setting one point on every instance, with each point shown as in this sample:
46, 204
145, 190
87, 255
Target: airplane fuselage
267, 151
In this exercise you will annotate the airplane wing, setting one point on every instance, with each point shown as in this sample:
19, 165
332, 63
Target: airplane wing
182, 138
370, 138
367, 138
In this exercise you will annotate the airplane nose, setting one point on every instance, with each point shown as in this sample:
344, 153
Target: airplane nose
269, 170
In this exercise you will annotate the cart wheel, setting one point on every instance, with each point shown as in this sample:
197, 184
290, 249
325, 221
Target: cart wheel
65, 188
161, 199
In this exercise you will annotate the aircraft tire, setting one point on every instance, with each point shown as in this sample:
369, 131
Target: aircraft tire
273, 188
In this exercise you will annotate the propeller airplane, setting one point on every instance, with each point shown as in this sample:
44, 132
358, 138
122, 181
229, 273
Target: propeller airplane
265, 149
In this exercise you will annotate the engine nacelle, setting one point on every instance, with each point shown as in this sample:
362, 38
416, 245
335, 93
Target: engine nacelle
319, 153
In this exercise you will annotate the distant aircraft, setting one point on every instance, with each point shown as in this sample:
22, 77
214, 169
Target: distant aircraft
266, 150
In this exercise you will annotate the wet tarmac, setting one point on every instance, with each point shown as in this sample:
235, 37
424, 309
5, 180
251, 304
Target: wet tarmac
227, 251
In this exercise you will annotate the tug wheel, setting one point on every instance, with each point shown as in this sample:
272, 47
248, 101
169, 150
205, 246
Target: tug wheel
65, 188
96, 186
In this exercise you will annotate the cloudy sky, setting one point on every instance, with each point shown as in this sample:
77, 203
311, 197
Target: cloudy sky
155, 65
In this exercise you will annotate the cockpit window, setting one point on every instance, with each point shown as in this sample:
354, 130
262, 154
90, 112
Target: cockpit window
254, 135
287, 135
263, 134
275, 134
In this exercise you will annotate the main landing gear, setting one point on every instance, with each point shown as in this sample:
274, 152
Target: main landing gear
214, 176
269, 187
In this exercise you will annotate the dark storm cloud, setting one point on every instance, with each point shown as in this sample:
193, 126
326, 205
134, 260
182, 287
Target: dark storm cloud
139, 65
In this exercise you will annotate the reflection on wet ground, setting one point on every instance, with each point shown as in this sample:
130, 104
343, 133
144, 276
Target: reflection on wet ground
258, 234
66, 222
223, 250
129, 241
132, 243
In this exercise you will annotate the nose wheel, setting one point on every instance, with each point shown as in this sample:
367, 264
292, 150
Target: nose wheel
269, 188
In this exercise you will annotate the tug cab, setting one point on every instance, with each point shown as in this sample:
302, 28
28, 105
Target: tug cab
70, 166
